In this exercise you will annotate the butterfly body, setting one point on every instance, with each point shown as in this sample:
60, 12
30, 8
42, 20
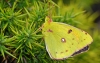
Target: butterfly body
63, 40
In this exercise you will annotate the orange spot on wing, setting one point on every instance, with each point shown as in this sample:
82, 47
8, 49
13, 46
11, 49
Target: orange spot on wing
49, 30
69, 31
66, 50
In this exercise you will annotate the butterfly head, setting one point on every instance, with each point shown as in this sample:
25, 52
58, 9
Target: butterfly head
46, 25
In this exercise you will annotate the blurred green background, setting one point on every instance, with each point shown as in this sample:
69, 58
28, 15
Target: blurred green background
21, 40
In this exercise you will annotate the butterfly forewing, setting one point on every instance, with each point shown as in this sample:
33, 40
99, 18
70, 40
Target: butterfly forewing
82, 37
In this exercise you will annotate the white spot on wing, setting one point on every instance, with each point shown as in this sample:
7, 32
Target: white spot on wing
63, 40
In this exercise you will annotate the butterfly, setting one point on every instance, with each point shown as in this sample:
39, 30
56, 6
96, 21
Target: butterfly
63, 40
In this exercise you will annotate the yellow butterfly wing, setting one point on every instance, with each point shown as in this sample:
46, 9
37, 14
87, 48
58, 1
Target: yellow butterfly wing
62, 40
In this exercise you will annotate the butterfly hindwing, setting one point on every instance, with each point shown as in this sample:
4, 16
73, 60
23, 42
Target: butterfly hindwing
62, 40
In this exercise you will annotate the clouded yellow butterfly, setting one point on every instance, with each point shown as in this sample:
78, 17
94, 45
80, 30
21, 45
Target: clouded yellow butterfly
63, 40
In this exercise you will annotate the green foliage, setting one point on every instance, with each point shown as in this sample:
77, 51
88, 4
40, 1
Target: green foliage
21, 40
5, 42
